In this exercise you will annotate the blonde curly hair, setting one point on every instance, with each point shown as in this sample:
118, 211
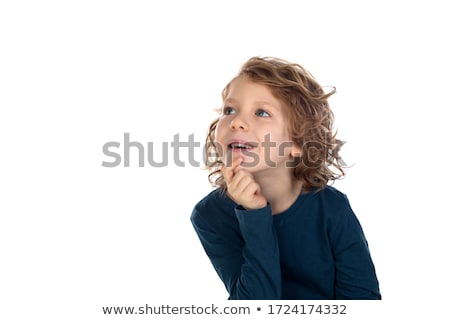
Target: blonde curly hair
310, 122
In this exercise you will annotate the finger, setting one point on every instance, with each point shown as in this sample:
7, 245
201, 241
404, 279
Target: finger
250, 188
243, 180
228, 172
240, 181
251, 195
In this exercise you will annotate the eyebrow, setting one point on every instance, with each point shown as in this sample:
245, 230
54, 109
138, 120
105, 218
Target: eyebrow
230, 100
257, 102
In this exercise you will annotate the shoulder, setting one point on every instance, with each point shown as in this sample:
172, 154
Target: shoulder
211, 205
330, 197
212, 199
331, 204
338, 212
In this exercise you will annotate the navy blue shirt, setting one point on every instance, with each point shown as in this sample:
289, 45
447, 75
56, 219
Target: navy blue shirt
316, 249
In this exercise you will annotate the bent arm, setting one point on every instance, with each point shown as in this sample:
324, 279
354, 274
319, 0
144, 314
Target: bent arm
250, 267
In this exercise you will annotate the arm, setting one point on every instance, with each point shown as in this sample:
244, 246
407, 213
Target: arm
355, 271
250, 269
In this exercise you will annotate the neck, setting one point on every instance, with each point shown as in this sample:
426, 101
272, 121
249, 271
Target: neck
280, 188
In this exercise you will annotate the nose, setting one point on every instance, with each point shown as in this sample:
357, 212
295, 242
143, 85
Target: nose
239, 123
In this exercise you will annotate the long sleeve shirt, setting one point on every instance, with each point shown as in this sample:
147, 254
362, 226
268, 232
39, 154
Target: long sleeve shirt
316, 249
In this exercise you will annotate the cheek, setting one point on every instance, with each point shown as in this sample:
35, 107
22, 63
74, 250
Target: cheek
218, 131
218, 137
222, 128
283, 146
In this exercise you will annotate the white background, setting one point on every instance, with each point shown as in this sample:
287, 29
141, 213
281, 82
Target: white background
76, 236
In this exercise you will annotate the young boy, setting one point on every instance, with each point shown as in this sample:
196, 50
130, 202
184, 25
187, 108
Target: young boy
274, 228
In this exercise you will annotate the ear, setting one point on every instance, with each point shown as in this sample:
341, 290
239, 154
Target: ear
296, 151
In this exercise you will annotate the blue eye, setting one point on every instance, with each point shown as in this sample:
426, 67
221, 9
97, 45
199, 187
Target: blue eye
228, 110
262, 113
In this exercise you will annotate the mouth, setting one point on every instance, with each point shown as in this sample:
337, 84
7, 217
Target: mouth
241, 146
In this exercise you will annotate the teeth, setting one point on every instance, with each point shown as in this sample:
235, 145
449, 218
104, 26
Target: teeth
239, 145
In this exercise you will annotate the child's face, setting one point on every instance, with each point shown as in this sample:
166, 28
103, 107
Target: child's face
253, 127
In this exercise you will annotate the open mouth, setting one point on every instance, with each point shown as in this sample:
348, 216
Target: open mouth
238, 146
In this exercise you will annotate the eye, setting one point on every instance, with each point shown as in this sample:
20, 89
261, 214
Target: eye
262, 113
228, 110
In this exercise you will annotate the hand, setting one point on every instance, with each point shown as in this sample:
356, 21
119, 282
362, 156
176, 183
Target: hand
242, 187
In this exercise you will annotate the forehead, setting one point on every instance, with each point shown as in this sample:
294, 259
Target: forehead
243, 88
